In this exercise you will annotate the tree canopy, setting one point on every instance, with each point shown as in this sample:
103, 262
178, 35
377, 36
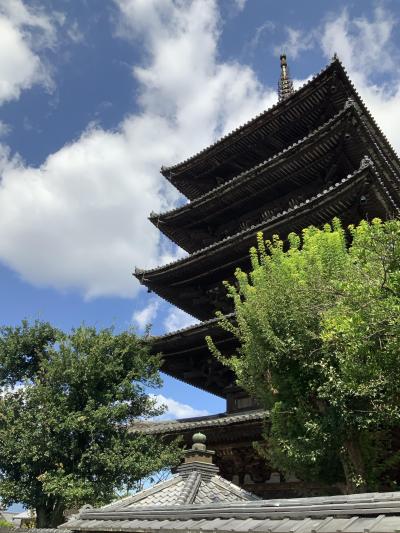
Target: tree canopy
318, 320
66, 408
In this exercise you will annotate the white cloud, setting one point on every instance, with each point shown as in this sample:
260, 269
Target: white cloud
4, 129
23, 32
75, 33
144, 317
176, 409
178, 319
297, 41
251, 47
366, 47
240, 4
79, 220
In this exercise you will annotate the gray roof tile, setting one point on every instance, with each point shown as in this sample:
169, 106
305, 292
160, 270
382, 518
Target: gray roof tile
177, 426
198, 500
355, 524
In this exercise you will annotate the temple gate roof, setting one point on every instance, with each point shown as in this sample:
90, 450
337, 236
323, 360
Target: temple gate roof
197, 500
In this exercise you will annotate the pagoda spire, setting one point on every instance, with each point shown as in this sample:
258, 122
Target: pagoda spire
285, 84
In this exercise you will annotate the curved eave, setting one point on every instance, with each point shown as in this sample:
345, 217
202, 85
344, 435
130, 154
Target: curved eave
236, 141
209, 422
249, 126
185, 350
222, 257
207, 327
220, 149
262, 179
220, 247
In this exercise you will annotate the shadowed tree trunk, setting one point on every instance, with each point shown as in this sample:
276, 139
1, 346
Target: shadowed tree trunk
354, 466
50, 514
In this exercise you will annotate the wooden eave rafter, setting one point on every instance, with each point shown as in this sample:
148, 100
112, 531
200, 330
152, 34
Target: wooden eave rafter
330, 79
184, 347
300, 110
291, 166
219, 259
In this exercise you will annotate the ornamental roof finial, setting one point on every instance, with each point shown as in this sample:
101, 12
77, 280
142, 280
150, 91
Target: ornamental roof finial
285, 84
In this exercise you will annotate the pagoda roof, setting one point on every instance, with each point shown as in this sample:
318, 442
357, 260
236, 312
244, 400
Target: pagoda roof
213, 263
186, 356
305, 161
269, 132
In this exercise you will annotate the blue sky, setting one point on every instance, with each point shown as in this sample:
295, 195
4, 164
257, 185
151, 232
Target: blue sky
96, 96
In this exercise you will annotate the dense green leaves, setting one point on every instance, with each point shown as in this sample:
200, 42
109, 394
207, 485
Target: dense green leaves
67, 404
319, 326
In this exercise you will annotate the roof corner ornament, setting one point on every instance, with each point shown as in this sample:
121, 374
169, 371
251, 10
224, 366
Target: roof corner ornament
285, 84
365, 162
349, 103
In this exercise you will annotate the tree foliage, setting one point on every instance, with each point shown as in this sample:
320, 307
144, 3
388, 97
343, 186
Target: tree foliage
318, 322
65, 411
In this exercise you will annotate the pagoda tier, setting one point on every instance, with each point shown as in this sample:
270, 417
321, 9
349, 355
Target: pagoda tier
269, 133
194, 282
317, 154
332, 151
187, 357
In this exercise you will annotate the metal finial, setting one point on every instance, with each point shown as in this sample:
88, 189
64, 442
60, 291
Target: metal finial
285, 84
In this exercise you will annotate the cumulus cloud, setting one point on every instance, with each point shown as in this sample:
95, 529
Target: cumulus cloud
363, 44
177, 409
297, 41
366, 47
23, 33
144, 317
178, 319
79, 220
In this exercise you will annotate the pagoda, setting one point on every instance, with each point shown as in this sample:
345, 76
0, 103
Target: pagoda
315, 155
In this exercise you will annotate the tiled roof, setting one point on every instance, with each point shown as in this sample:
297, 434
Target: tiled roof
250, 173
198, 423
232, 251
240, 131
358, 513
196, 484
288, 166
141, 274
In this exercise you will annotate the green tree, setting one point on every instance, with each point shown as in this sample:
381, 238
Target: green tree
318, 320
66, 407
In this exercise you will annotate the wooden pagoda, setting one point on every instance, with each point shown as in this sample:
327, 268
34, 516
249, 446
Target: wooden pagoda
315, 155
